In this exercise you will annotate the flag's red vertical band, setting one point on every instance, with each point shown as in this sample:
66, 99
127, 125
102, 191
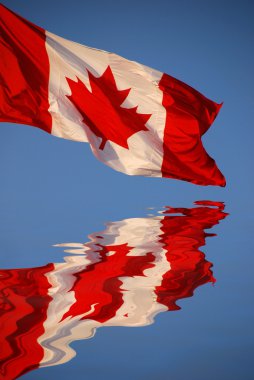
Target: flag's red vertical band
182, 236
189, 114
24, 303
24, 72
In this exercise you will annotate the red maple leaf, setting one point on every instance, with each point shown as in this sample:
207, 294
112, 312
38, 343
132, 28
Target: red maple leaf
101, 109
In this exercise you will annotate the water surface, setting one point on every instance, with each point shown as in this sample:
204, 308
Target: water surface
125, 275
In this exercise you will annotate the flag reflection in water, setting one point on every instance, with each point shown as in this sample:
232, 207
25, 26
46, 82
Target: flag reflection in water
124, 276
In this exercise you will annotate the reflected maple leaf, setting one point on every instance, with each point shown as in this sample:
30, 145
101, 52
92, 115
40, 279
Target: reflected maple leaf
102, 111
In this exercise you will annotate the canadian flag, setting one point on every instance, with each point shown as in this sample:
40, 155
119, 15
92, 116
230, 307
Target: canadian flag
124, 276
137, 120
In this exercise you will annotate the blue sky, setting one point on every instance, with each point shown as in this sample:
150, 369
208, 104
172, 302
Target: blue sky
207, 45
53, 190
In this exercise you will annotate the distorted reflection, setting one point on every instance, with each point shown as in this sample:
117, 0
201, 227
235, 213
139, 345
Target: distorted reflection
124, 276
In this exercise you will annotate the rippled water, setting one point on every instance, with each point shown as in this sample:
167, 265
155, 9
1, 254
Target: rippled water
124, 275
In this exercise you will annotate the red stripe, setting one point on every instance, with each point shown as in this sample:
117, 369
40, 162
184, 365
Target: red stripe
23, 310
24, 68
182, 236
189, 115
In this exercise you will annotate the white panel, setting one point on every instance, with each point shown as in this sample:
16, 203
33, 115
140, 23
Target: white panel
139, 299
70, 60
